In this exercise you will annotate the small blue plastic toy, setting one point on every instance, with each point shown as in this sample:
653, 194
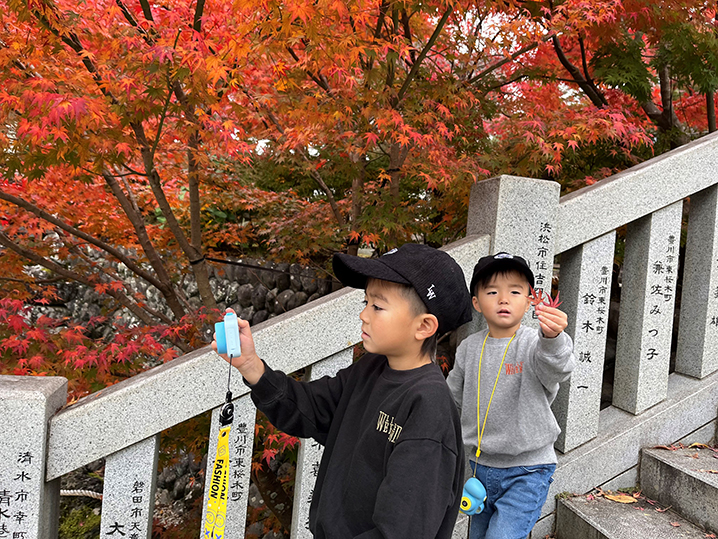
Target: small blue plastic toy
227, 336
473, 497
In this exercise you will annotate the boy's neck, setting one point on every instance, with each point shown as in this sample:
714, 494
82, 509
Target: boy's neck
502, 333
405, 363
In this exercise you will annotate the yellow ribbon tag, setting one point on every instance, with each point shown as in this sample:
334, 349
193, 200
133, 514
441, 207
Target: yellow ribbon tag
217, 503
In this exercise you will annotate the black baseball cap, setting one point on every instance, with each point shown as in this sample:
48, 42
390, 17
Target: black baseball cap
435, 276
488, 265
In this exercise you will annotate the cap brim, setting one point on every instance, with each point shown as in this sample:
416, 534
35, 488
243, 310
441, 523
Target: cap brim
354, 271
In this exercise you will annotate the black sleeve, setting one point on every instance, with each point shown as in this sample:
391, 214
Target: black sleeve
303, 409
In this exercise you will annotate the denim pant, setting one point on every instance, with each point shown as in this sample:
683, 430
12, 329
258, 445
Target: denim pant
514, 500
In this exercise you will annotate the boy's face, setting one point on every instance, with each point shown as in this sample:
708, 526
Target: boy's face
503, 302
388, 321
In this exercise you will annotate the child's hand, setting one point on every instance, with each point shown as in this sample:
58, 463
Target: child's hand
552, 320
248, 363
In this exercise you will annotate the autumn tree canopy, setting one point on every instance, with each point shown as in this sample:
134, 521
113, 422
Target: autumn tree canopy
156, 134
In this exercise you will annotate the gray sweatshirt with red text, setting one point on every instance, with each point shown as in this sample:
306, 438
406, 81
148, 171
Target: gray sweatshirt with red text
520, 428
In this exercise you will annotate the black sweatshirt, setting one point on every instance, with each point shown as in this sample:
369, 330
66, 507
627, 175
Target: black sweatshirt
393, 462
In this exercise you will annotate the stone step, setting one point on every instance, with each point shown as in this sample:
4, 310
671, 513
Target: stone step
685, 479
595, 517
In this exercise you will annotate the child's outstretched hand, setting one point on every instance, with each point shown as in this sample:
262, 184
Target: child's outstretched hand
552, 320
248, 363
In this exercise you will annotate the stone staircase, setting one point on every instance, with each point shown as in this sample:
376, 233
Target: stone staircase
678, 499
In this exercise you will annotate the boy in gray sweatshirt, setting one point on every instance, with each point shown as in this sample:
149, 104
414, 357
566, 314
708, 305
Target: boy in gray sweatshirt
512, 372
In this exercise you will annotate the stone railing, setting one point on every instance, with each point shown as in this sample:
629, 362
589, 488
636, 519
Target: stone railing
41, 441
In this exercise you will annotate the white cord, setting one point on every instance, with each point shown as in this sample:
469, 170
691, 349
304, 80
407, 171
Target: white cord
88, 493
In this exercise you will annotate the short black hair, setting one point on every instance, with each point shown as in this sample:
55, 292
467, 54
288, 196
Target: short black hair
500, 268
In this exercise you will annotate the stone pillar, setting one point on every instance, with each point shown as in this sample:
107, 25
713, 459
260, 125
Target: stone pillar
310, 452
520, 216
128, 493
585, 286
697, 353
241, 440
646, 315
29, 507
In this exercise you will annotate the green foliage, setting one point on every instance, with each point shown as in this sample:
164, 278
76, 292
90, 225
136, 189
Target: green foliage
80, 523
619, 63
692, 55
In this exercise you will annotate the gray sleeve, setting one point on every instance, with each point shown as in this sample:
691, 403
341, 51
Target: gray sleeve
553, 359
455, 380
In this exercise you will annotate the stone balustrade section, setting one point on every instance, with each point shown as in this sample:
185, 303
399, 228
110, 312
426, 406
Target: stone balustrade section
698, 327
609, 204
128, 498
28, 505
519, 214
650, 276
241, 443
135, 409
585, 289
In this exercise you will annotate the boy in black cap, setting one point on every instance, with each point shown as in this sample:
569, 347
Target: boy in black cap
513, 373
393, 456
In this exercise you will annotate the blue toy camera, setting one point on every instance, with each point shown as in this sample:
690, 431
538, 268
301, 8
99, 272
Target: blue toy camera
227, 336
473, 497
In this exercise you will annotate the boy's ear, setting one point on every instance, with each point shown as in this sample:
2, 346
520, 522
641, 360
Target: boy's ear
475, 303
428, 325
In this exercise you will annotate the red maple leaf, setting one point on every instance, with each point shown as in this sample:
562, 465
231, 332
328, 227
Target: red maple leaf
537, 298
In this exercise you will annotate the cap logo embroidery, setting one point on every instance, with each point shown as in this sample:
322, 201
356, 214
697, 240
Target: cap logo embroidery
430, 292
503, 255
394, 250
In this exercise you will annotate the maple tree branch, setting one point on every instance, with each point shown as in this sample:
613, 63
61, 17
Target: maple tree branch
130, 18
163, 116
73, 276
583, 59
146, 10
495, 66
26, 205
422, 55
130, 208
320, 80
72, 41
588, 87
112, 275
312, 171
199, 11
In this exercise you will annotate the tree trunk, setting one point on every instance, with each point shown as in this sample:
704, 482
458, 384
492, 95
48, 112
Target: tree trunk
711, 110
357, 191
267, 484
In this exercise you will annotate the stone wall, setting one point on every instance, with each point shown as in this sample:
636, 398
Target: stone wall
257, 290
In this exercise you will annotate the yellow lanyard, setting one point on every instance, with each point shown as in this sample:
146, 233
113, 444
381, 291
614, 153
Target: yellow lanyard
217, 501
478, 392
216, 516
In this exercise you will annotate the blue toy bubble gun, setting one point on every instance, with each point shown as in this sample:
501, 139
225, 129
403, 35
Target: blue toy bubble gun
227, 336
473, 497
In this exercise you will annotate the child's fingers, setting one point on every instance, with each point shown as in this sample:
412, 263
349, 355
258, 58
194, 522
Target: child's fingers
551, 325
552, 313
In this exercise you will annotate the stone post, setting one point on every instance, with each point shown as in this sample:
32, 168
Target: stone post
29, 507
646, 314
697, 353
310, 452
585, 287
241, 440
520, 216
128, 498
